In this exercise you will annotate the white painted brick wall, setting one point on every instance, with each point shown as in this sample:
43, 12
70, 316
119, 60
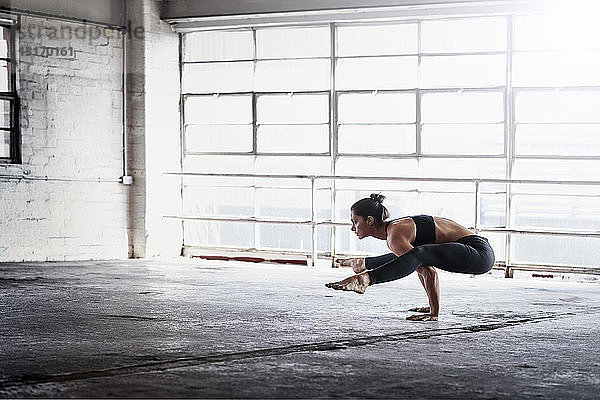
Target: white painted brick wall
153, 126
163, 139
136, 126
71, 127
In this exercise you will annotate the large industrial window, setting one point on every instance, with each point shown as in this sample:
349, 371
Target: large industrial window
511, 97
9, 101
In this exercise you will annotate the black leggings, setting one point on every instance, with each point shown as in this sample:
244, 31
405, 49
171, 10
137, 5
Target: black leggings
468, 255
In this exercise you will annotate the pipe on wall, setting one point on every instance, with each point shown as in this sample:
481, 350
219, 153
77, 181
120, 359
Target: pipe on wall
126, 179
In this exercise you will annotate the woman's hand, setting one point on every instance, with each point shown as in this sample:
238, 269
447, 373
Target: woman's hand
357, 264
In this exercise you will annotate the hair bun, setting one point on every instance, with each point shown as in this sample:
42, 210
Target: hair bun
378, 197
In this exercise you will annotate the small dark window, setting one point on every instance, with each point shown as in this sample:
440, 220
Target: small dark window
9, 101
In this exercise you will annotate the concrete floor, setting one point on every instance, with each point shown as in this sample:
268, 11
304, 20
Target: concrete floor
194, 328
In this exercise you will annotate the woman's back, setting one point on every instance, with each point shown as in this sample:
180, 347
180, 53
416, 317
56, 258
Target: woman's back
449, 231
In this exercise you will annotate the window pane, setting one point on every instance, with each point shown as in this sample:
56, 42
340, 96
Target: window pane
490, 168
293, 139
4, 77
218, 77
293, 165
219, 234
222, 164
557, 106
323, 204
376, 73
381, 139
293, 42
5, 114
463, 139
224, 201
376, 40
463, 71
225, 138
214, 182
388, 187
492, 208
374, 108
552, 250
556, 169
441, 187
550, 32
282, 237
458, 207
292, 203
547, 211
219, 46
556, 190
356, 166
204, 110
5, 144
463, 107
4, 40
292, 75
463, 36
296, 109
563, 140
324, 239
565, 68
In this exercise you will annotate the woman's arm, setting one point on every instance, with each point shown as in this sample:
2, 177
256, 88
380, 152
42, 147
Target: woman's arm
429, 279
431, 284
399, 240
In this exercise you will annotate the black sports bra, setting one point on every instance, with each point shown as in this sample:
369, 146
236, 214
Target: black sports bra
425, 229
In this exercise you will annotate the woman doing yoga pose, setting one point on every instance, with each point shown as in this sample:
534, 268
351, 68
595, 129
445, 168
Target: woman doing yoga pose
418, 243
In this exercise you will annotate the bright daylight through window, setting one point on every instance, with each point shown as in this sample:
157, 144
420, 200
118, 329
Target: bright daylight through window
499, 97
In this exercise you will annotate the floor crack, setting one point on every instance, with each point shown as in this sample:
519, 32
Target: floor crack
131, 317
274, 351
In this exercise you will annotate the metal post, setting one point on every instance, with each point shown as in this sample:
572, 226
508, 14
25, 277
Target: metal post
126, 178
477, 204
509, 121
508, 272
418, 98
313, 220
333, 133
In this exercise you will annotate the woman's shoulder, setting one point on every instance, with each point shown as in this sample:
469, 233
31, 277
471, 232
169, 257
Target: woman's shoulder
401, 227
397, 221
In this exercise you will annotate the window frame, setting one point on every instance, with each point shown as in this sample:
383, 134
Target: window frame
509, 156
12, 96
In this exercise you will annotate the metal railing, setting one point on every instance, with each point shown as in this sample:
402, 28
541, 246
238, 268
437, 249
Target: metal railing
476, 182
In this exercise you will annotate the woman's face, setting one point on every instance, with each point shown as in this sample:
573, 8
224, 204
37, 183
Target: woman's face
360, 226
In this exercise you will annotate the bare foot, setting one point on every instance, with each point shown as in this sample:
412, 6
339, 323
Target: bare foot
421, 309
357, 264
356, 283
423, 317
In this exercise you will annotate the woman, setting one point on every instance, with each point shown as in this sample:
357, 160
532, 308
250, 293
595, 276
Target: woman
418, 243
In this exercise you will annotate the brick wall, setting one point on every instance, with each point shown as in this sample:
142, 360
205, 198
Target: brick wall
136, 124
71, 113
71, 120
